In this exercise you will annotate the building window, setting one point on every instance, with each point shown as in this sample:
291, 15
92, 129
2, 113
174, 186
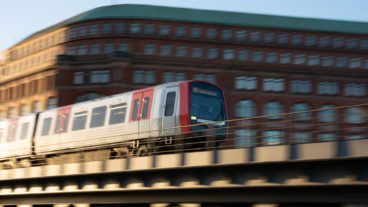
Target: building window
269, 38
171, 77
165, 50
23, 110
301, 112
150, 49
301, 86
351, 43
355, 89
296, 39
313, 60
327, 113
205, 77
273, 137
310, 41
355, 63
273, 84
212, 53
301, 137
106, 28
245, 138
120, 28
87, 97
197, 52
82, 31
257, 56
240, 35
255, 37
165, 30
355, 115
124, 47
181, 51
324, 42
327, 137
135, 28
51, 103
109, 47
271, 57
273, 110
180, 31
100, 76
228, 54
73, 33
364, 44
195, 32
328, 88
337, 42
245, 109
285, 58
82, 50
144, 77
342, 62
243, 55
211, 33
283, 39
93, 29
227, 34
70, 51
246, 82
94, 49
299, 59
327, 61
78, 78
36, 106
149, 29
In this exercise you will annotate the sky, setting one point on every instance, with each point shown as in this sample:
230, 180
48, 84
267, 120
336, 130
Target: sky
20, 18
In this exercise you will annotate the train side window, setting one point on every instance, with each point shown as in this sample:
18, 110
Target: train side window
98, 117
170, 103
1, 135
46, 126
146, 103
24, 130
135, 109
117, 113
12, 130
79, 121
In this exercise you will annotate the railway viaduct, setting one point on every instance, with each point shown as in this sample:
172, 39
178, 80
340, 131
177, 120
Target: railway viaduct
311, 174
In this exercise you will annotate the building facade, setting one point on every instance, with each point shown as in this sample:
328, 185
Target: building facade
267, 65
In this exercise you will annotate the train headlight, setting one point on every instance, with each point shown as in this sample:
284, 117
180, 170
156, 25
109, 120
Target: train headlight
193, 118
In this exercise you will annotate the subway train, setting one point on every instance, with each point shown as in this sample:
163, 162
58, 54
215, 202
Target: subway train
131, 123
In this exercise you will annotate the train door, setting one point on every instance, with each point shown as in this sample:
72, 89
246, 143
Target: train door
141, 111
61, 127
169, 115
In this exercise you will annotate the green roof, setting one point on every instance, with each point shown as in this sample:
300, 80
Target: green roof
133, 11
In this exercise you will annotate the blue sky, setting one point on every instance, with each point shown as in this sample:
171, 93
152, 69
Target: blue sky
20, 18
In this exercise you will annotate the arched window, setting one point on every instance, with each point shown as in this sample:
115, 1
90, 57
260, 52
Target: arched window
354, 115
302, 112
327, 113
87, 96
273, 110
245, 108
244, 138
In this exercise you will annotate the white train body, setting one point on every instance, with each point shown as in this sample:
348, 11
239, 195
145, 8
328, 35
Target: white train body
161, 111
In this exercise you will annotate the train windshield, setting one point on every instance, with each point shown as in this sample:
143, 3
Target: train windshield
206, 103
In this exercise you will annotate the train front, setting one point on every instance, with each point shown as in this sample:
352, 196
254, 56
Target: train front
206, 113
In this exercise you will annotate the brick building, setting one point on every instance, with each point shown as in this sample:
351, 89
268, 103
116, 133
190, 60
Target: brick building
266, 64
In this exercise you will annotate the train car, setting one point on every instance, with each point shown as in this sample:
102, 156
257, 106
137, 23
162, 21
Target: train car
16, 137
132, 122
